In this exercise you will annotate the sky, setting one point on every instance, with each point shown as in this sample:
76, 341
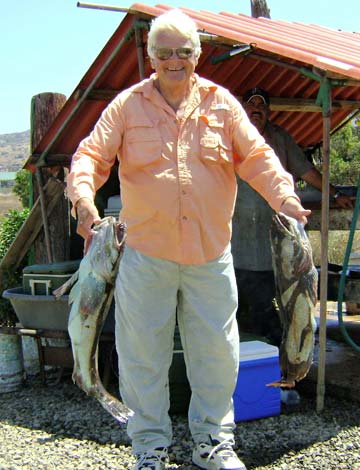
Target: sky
48, 45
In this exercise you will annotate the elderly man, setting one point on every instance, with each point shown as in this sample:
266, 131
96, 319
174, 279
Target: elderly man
175, 135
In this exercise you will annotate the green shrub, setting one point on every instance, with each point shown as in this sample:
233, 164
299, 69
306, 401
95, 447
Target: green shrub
12, 277
22, 187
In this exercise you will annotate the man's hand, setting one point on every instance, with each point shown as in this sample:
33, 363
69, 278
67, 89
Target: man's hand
87, 216
292, 207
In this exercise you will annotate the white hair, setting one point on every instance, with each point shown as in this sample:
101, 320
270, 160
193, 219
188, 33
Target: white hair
177, 21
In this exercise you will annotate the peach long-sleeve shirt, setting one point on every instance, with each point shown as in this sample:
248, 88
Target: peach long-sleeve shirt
177, 174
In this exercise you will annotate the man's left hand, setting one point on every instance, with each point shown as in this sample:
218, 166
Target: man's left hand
293, 208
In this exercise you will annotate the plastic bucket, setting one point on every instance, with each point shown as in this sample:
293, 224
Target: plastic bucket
30, 355
11, 363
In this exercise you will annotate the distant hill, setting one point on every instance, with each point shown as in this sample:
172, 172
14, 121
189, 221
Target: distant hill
14, 150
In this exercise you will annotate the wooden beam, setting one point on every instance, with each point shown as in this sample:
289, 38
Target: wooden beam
309, 105
52, 159
276, 104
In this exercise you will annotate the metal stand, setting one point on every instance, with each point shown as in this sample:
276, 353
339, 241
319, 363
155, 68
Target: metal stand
61, 356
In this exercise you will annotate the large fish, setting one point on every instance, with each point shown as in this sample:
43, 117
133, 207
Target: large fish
90, 298
296, 294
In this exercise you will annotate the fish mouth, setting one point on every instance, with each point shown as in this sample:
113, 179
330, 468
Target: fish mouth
120, 231
290, 226
283, 223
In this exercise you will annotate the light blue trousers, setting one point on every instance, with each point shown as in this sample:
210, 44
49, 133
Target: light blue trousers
149, 293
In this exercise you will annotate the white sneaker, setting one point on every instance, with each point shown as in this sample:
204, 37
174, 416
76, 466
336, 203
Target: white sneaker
216, 456
154, 459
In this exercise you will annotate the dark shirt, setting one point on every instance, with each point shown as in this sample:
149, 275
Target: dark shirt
252, 216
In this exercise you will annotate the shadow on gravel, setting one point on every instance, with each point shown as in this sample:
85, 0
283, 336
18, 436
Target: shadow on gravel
62, 410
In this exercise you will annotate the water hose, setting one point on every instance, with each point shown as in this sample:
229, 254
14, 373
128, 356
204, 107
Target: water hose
342, 327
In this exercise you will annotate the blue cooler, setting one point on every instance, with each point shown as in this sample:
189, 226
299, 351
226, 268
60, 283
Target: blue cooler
259, 365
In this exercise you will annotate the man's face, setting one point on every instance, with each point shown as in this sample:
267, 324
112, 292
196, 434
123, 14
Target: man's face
174, 69
258, 112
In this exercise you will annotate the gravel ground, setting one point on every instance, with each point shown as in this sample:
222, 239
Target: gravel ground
58, 427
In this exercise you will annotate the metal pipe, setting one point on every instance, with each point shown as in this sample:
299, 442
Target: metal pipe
96, 6
303, 70
243, 50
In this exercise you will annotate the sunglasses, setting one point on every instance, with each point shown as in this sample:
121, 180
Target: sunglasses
164, 53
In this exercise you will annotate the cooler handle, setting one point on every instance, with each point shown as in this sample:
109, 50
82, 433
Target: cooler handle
34, 282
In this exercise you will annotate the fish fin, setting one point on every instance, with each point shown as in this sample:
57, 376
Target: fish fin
66, 286
282, 383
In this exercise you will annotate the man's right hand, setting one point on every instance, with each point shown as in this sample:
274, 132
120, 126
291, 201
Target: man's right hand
87, 216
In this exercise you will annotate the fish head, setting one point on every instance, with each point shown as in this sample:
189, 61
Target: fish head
109, 233
108, 242
290, 244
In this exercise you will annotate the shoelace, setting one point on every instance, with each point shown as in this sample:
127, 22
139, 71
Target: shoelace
150, 457
224, 447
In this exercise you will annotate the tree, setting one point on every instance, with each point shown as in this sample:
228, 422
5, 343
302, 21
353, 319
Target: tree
22, 187
345, 156
12, 277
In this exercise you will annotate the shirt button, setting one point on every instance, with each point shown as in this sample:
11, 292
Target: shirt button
184, 217
183, 191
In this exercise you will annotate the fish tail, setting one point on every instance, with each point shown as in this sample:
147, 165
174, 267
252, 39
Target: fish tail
97, 390
111, 404
116, 408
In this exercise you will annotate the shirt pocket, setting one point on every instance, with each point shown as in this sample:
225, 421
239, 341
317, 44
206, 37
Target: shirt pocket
143, 144
215, 145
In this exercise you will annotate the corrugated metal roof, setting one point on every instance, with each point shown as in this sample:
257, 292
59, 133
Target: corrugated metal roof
282, 57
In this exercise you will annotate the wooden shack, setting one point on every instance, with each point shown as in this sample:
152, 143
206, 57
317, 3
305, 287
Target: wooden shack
312, 74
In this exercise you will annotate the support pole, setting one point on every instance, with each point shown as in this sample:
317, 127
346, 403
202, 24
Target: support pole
324, 98
140, 50
40, 182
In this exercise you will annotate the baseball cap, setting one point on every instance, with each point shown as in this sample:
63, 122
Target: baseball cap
256, 92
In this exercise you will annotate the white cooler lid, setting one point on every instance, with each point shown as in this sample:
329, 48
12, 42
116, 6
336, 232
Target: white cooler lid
250, 350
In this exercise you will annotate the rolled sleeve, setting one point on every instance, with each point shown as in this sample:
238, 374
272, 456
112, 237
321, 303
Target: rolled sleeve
91, 164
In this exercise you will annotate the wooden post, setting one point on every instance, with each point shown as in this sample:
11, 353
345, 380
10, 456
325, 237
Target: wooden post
53, 242
259, 8
320, 393
140, 51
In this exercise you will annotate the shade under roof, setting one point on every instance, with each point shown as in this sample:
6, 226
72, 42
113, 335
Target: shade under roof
287, 59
